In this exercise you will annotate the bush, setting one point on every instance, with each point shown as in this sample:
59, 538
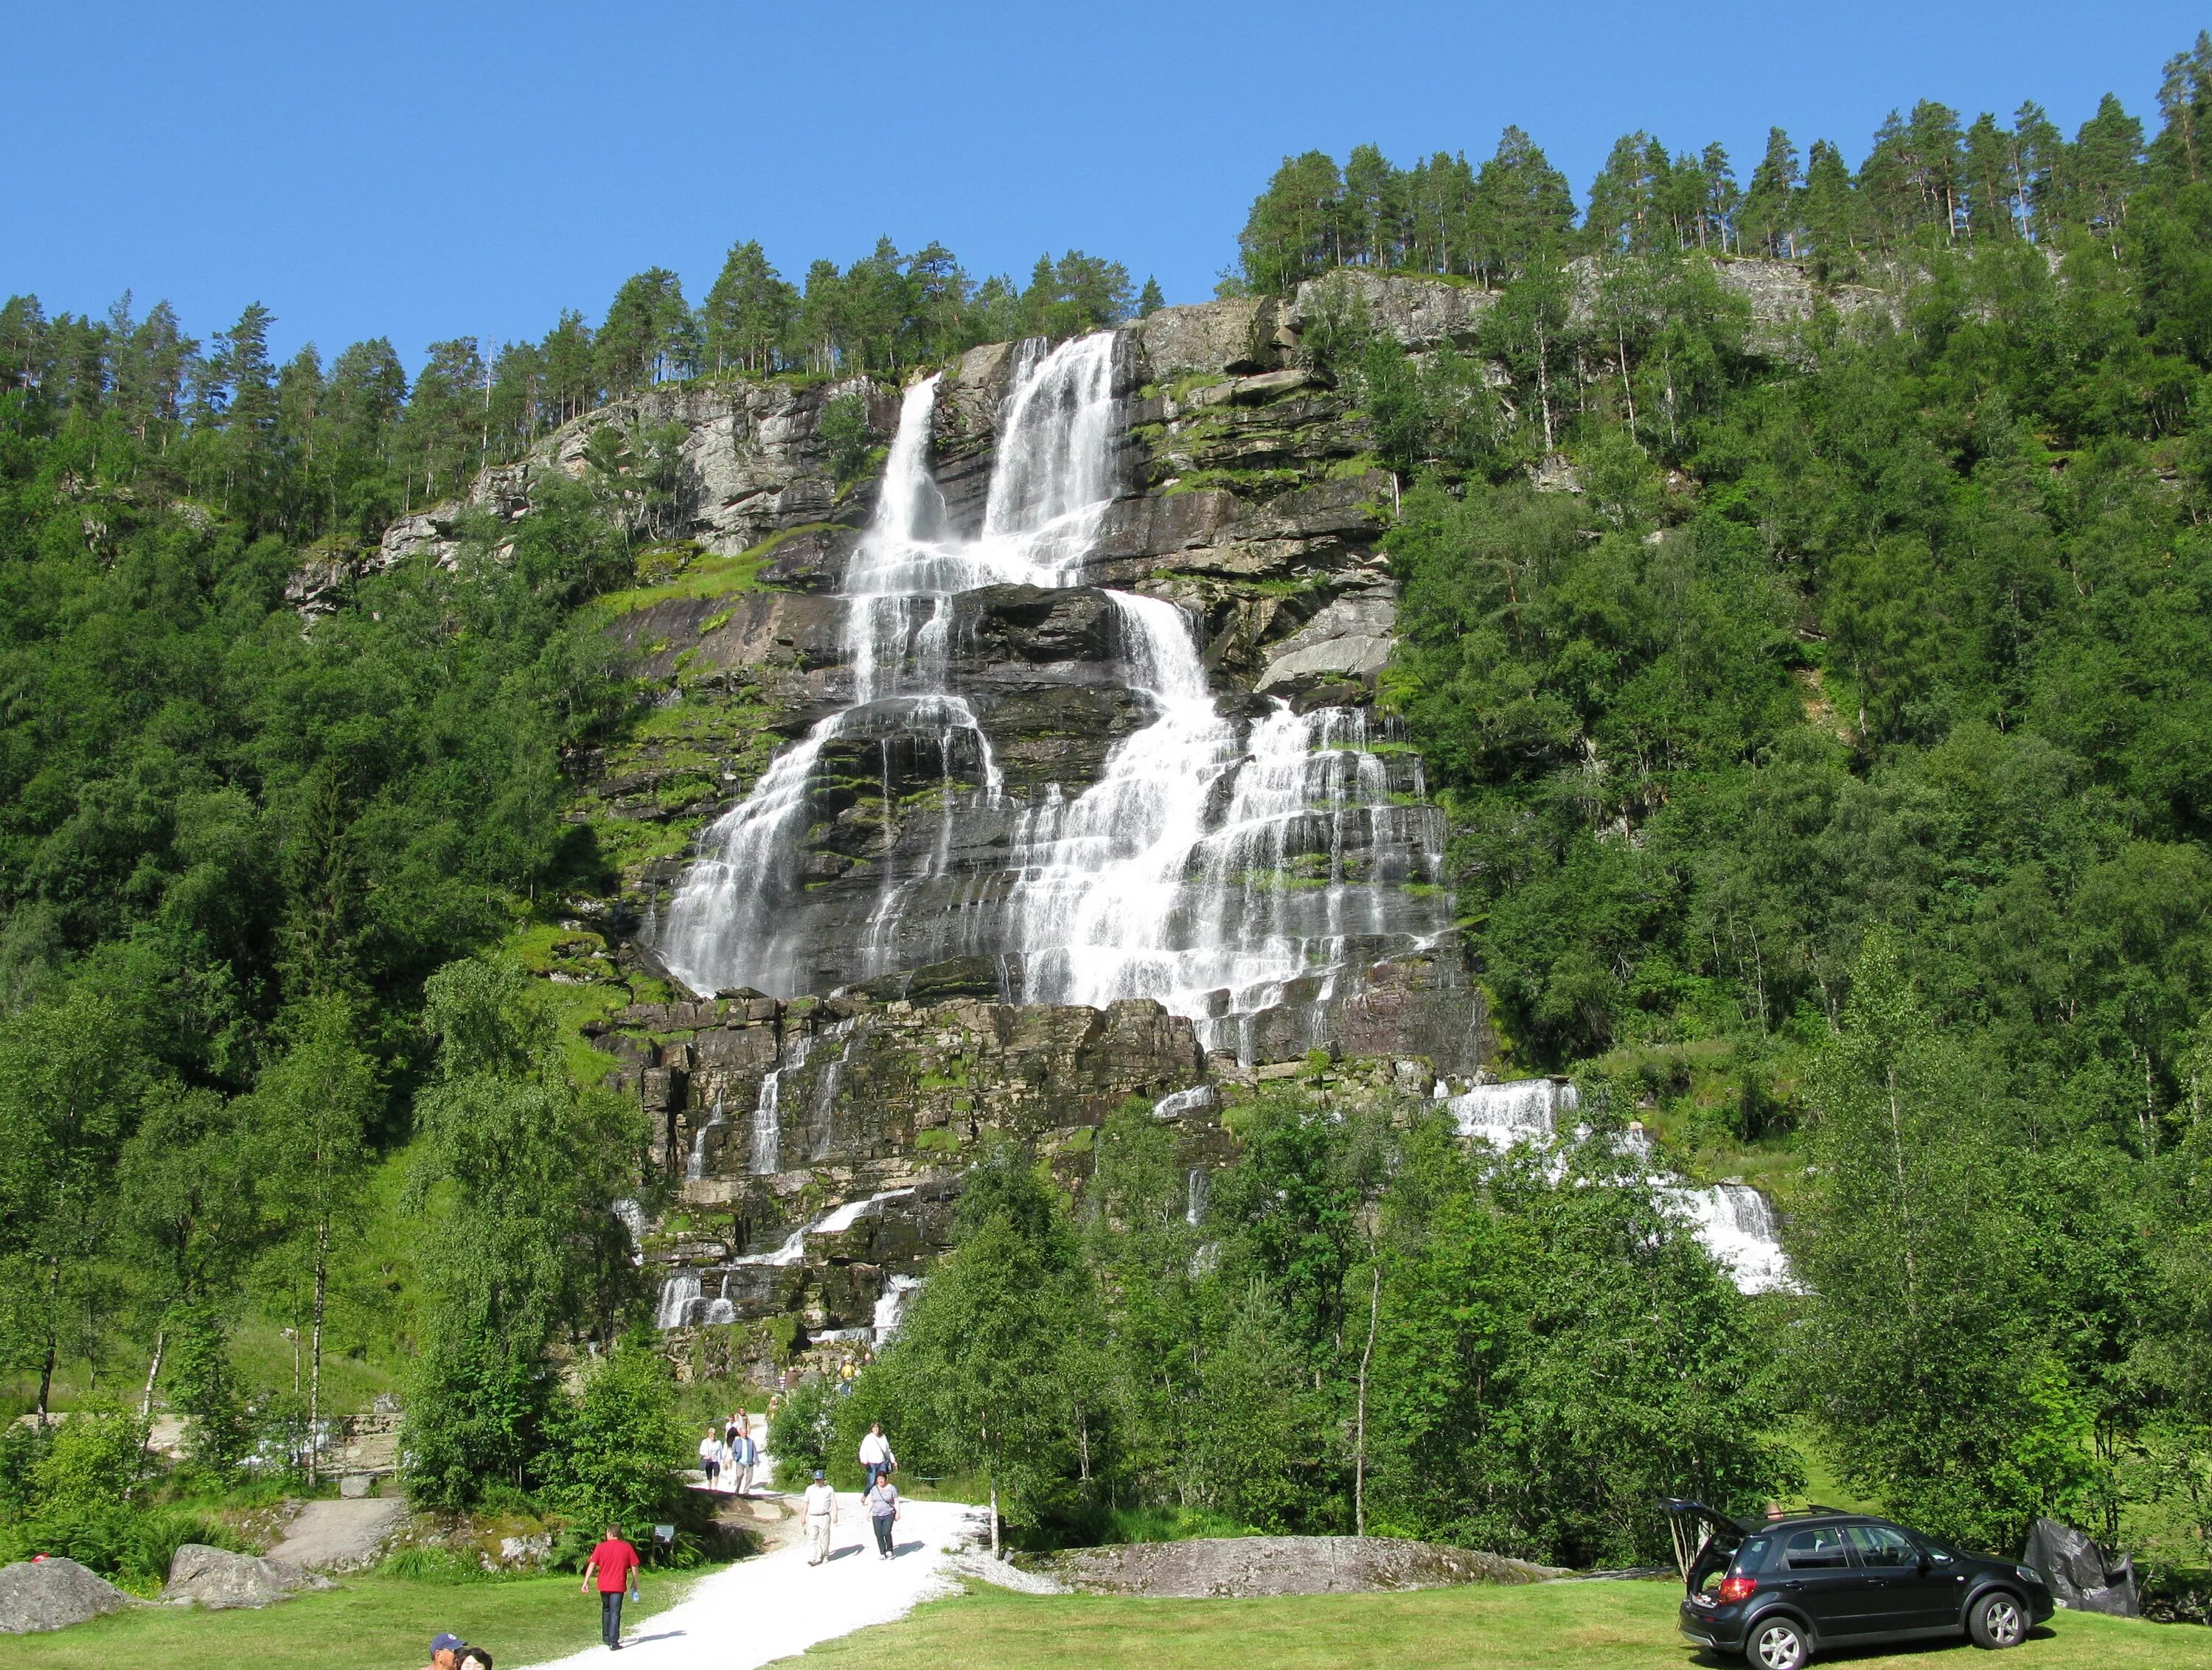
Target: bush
803, 1433
130, 1545
615, 1450
92, 1460
425, 1563
844, 431
23, 1446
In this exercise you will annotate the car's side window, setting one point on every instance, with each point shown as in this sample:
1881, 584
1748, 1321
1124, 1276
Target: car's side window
1816, 1548
1881, 1545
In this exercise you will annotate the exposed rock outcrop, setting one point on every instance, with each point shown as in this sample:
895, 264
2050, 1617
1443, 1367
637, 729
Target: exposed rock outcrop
218, 1579
1417, 312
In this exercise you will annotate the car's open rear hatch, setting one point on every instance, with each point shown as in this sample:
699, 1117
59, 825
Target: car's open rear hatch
1704, 1538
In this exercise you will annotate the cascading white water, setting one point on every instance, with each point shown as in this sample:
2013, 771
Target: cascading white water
1734, 1221
1221, 866
1503, 1114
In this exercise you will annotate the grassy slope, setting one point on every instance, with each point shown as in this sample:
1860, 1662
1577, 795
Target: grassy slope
367, 1623
1552, 1626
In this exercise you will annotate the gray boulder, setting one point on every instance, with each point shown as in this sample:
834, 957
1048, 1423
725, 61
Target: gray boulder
52, 1594
218, 1579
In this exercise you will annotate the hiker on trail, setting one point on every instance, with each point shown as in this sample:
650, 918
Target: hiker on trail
845, 1373
731, 1428
446, 1651
882, 1503
727, 1458
744, 1456
710, 1456
615, 1563
821, 1515
876, 1457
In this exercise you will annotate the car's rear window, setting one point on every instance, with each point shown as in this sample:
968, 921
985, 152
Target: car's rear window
1752, 1556
1816, 1548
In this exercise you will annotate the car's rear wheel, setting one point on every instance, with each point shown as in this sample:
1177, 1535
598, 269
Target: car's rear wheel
1998, 1621
1776, 1644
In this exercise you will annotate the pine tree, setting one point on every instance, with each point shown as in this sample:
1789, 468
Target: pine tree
1769, 216
1149, 300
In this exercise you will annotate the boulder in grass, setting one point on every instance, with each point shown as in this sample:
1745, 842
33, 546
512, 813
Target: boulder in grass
218, 1579
53, 1593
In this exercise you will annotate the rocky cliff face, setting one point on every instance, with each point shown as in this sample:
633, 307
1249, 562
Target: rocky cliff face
813, 1139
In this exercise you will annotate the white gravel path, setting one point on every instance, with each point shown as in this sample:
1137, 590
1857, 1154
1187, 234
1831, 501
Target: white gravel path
776, 1605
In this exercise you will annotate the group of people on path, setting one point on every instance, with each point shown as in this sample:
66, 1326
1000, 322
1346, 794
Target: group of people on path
728, 1455
726, 1452
879, 1502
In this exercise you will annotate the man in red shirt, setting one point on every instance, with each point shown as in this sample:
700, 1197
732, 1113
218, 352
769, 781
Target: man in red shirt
615, 1562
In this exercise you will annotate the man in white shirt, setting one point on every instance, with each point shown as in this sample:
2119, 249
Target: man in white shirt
821, 1515
876, 1457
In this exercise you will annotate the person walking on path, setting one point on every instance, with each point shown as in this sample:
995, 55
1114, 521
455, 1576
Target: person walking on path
728, 1462
745, 1456
876, 1457
882, 1503
615, 1563
821, 1515
710, 1456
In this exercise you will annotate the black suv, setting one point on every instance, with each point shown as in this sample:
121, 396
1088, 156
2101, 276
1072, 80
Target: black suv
1779, 1590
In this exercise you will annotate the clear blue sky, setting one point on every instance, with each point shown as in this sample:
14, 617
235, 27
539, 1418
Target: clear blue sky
422, 171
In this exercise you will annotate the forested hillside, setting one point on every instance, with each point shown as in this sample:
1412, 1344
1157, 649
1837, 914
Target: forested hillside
1819, 692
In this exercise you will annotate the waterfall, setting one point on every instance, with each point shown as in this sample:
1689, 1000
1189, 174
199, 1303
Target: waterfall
694, 1166
1197, 1099
890, 1306
1503, 1114
1197, 1186
1222, 865
1735, 1221
679, 1294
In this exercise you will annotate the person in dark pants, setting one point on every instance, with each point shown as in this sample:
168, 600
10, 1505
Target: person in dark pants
882, 1503
615, 1563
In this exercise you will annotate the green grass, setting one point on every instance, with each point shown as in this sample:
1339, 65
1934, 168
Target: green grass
369, 1623
1545, 1626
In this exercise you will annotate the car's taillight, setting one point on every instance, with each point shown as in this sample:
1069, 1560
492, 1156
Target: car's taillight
1733, 1589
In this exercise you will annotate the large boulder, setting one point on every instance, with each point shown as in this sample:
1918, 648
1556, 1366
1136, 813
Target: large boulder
53, 1593
2083, 1577
218, 1579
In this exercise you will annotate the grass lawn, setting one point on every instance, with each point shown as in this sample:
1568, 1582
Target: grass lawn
1547, 1626
367, 1624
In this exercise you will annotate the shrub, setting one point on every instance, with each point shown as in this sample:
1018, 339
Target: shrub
844, 431
92, 1460
802, 1434
130, 1545
615, 1449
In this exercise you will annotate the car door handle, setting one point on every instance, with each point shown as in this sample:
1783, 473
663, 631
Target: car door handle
1877, 1582
1793, 1586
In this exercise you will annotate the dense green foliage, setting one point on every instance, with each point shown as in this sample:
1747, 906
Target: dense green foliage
1849, 718
334, 452
1365, 1323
